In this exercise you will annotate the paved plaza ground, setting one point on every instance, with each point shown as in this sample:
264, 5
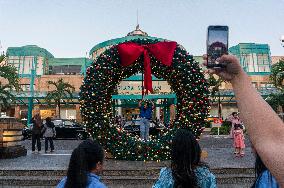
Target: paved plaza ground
220, 155
220, 152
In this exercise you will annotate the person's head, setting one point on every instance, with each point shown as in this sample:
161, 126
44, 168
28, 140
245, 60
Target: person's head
87, 157
237, 126
48, 120
185, 155
145, 105
235, 114
37, 119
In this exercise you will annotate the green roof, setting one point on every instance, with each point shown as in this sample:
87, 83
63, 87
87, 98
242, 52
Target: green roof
69, 61
29, 50
121, 40
248, 48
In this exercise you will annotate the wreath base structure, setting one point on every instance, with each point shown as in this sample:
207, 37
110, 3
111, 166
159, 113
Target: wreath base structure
186, 80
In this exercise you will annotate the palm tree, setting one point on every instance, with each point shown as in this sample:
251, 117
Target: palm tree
275, 100
277, 79
277, 74
63, 90
214, 84
11, 82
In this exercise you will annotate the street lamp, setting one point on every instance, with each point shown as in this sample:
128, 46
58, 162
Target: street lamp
31, 96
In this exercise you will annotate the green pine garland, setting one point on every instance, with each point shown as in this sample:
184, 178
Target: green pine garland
186, 80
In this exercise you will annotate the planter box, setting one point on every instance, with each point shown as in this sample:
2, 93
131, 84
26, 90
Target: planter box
11, 138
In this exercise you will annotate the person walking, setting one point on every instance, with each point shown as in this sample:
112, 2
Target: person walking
146, 116
86, 163
239, 140
49, 133
36, 132
186, 168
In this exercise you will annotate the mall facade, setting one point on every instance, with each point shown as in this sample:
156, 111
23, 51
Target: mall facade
36, 66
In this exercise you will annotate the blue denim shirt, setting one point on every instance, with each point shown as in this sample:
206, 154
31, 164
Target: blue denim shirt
205, 179
146, 113
266, 180
93, 182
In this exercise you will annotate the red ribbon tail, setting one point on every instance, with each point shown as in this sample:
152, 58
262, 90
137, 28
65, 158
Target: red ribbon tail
146, 92
148, 74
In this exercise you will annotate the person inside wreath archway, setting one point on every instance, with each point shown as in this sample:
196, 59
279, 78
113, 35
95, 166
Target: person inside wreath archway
146, 116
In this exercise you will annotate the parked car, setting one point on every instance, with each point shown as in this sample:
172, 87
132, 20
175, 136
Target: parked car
64, 129
134, 127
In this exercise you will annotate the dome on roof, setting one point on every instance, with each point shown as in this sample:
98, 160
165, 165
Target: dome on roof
137, 31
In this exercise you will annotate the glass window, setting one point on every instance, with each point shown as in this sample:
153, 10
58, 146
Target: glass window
27, 63
262, 59
39, 70
74, 69
68, 123
255, 62
57, 70
21, 66
57, 122
66, 69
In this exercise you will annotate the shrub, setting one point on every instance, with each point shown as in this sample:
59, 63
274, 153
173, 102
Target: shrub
207, 124
224, 129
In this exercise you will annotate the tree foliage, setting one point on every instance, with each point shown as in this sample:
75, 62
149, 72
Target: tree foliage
276, 99
214, 85
277, 79
63, 91
277, 74
8, 73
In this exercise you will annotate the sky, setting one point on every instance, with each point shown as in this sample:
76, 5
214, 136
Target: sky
70, 28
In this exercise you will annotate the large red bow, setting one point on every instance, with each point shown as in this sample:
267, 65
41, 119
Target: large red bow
163, 51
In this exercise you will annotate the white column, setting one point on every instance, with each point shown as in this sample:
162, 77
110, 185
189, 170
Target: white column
158, 110
119, 109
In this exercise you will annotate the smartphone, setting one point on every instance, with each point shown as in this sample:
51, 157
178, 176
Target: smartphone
217, 44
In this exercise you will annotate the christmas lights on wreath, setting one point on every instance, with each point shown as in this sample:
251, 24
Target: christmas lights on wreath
107, 71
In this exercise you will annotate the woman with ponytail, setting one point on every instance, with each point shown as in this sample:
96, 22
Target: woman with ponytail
85, 164
186, 169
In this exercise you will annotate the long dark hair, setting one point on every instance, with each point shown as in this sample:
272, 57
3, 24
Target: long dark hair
49, 123
186, 155
37, 120
259, 168
83, 159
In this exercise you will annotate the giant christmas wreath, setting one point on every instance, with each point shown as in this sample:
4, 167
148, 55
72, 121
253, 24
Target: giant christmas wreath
124, 60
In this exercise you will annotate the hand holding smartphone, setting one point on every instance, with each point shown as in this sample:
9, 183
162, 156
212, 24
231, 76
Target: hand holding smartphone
217, 45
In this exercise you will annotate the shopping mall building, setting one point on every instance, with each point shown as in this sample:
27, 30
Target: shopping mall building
37, 65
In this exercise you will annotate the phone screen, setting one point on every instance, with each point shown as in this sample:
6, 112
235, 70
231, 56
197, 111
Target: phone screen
217, 43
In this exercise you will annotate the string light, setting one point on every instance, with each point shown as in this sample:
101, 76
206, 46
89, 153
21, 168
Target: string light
102, 78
